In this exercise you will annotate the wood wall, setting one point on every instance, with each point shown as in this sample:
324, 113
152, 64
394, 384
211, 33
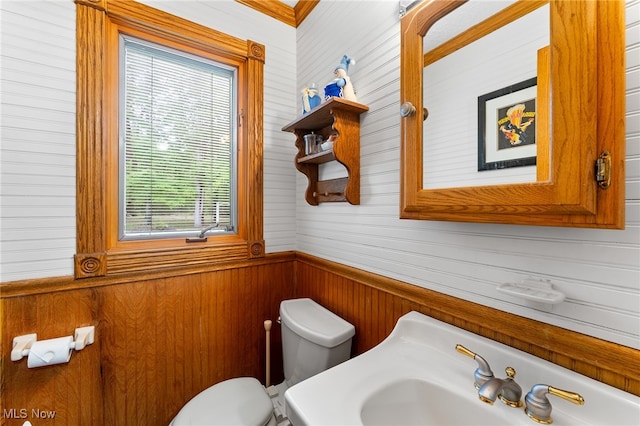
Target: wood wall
163, 337
159, 340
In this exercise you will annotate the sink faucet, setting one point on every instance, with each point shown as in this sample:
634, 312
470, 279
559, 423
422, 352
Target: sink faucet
483, 373
507, 390
538, 406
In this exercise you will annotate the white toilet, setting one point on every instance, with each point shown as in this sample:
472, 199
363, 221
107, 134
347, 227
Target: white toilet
313, 340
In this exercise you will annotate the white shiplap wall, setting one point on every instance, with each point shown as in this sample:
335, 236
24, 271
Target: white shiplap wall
37, 139
599, 270
37, 125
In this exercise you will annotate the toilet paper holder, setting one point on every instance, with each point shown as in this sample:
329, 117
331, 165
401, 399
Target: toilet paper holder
82, 337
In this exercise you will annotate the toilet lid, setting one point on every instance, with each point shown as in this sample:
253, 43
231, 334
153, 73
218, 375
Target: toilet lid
241, 401
315, 323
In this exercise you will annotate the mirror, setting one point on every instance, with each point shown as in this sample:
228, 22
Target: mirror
578, 87
487, 149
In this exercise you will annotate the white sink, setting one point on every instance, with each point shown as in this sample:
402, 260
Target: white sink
403, 403
416, 377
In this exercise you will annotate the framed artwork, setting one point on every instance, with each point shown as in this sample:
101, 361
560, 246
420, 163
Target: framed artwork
507, 127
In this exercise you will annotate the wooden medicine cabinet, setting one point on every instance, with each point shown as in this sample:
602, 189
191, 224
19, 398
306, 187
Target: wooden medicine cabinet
580, 122
339, 117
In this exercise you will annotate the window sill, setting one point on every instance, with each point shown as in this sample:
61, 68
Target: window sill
118, 260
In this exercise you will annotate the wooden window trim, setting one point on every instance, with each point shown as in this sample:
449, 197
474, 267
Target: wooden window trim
98, 251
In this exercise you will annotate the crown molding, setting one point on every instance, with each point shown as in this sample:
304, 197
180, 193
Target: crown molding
282, 12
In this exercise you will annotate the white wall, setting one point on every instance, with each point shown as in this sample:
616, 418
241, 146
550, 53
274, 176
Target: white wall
37, 139
37, 154
599, 270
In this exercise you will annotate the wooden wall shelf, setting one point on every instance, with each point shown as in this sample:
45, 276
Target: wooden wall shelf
318, 158
335, 116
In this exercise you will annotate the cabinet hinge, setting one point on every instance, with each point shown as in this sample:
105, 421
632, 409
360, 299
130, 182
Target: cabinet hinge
603, 170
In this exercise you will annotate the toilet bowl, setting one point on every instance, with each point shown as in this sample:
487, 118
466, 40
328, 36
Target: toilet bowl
240, 401
314, 339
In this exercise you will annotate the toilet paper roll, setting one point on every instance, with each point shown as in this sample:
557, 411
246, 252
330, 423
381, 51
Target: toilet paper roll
50, 352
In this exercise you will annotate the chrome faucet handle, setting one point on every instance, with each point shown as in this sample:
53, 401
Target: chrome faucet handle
483, 373
538, 407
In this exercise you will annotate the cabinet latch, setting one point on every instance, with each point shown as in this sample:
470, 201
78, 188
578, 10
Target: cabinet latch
603, 170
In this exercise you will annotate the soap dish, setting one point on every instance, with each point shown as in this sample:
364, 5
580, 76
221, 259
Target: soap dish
536, 291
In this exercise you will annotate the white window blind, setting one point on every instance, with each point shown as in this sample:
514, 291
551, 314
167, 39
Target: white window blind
177, 142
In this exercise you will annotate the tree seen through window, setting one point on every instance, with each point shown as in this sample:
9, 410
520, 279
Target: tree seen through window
177, 150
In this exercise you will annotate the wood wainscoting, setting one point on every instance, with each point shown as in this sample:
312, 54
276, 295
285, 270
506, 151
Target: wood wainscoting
162, 337
373, 304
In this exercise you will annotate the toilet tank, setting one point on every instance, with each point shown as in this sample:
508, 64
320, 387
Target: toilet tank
314, 339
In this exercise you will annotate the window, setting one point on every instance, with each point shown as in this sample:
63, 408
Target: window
169, 137
177, 143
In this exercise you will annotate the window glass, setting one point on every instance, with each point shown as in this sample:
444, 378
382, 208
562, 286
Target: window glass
177, 168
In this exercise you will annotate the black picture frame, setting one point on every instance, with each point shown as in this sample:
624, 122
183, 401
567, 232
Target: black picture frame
506, 127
